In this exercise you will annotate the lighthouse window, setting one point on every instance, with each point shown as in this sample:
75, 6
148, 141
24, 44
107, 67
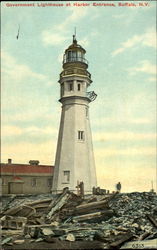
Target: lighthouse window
70, 86
66, 176
69, 55
79, 87
79, 55
74, 55
80, 135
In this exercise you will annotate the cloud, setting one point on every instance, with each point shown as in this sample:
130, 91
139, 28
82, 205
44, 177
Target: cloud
114, 164
44, 152
21, 88
123, 136
11, 130
124, 120
84, 42
119, 16
60, 33
149, 39
16, 71
76, 14
60, 58
52, 38
140, 121
143, 66
31, 115
112, 152
32, 135
140, 176
152, 79
146, 39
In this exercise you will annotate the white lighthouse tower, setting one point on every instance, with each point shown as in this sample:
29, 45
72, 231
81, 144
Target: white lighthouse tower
74, 156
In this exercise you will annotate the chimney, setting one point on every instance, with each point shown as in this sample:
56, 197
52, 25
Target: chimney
33, 162
9, 161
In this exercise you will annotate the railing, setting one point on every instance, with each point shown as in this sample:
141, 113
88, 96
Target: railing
75, 59
91, 95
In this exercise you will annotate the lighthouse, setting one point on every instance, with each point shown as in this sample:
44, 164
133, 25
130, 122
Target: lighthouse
74, 162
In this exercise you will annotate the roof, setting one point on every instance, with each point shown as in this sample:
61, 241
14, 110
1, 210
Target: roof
26, 168
75, 46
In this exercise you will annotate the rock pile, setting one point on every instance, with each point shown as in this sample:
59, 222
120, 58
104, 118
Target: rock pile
108, 220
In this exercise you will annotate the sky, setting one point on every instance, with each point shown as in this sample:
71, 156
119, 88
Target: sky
120, 44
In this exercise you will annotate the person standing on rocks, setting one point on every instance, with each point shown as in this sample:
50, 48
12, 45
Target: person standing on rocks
118, 187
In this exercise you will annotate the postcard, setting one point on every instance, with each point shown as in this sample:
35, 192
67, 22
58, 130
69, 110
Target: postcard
78, 100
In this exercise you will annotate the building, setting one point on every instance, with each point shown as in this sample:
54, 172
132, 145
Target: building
29, 178
74, 161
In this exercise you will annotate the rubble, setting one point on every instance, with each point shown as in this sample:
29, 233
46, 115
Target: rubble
97, 216
70, 237
108, 219
11, 222
19, 241
152, 219
6, 240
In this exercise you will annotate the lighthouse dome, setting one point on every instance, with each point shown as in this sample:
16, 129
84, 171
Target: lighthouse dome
74, 53
75, 46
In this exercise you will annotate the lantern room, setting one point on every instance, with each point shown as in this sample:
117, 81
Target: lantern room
74, 53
